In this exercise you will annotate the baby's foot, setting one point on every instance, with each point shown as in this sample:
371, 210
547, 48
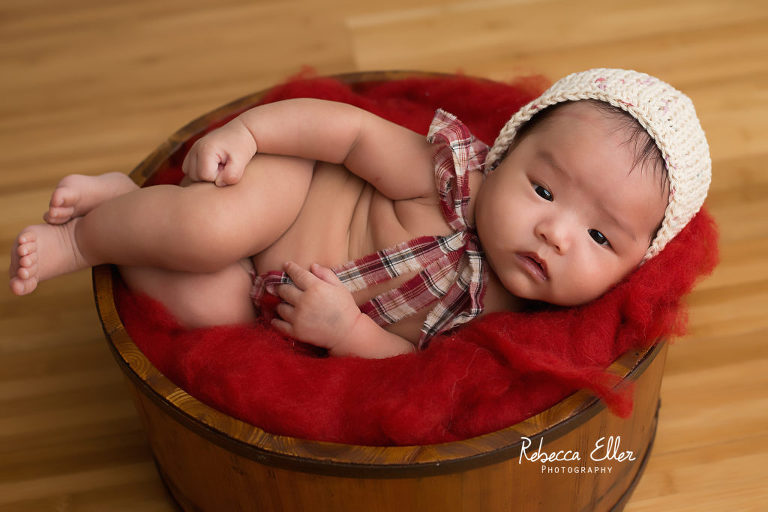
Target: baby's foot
42, 252
76, 195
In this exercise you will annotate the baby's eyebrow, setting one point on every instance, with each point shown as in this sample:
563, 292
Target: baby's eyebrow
549, 158
615, 220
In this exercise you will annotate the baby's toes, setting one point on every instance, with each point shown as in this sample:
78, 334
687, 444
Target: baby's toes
27, 259
65, 196
29, 263
23, 286
27, 272
62, 205
27, 244
26, 237
59, 214
24, 269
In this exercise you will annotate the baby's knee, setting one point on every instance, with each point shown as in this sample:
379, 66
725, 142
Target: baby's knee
206, 224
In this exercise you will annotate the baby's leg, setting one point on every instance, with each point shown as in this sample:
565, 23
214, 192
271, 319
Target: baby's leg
60, 255
200, 228
198, 300
76, 195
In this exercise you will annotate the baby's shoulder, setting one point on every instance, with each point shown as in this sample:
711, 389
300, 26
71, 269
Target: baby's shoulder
476, 180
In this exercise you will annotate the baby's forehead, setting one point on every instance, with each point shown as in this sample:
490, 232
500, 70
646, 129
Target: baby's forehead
579, 120
589, 111
621, 132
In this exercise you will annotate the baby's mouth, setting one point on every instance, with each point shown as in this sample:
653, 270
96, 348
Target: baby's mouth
534, 265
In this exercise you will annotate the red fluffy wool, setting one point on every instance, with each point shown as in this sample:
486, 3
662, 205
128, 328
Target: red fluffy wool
489, 374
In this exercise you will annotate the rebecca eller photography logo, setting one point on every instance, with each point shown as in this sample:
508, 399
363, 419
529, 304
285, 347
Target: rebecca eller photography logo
605, 450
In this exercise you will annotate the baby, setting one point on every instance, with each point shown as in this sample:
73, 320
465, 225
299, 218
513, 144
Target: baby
581, 186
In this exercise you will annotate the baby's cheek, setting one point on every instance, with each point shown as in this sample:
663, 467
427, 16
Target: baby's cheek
593, 281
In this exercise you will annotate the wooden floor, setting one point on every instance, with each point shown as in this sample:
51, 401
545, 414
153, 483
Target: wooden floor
90, 86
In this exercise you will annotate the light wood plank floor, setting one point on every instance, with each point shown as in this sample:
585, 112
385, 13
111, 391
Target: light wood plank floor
90, 86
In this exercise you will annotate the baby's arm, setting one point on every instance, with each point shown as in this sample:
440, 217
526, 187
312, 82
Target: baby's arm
394, 159
318, 309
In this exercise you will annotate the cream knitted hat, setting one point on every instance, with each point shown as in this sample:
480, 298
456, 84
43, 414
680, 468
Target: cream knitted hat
666, 114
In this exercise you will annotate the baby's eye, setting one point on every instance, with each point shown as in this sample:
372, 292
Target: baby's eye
542, 192
598, 237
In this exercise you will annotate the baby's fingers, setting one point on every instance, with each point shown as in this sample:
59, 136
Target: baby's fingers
230, 173
302, 278
190, 163
202, 161
326, 274
289, 293
282, 326
286, 312
209, 165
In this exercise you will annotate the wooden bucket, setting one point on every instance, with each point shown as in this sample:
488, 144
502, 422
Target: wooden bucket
212, 462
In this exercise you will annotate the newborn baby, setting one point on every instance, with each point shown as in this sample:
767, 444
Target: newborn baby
375, 238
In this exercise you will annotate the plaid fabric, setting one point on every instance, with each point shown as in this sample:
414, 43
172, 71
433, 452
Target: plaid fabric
450, 271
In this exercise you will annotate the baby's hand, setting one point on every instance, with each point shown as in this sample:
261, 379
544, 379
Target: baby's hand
221, 156
317, 308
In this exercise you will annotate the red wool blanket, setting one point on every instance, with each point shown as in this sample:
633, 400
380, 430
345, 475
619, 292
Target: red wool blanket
491, 373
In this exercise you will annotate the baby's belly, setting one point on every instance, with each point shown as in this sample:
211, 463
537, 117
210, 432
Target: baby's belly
344, 218
321, 231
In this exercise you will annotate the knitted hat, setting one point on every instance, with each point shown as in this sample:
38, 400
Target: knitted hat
666, 114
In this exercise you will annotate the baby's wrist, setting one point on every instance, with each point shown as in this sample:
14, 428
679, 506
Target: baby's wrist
246, 134
369, 340
348, 339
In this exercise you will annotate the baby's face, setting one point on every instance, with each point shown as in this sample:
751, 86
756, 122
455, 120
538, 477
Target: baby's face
562, 218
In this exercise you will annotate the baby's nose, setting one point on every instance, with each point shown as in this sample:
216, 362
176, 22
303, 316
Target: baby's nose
555, 234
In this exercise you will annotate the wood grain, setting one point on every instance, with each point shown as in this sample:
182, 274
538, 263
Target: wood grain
92, 87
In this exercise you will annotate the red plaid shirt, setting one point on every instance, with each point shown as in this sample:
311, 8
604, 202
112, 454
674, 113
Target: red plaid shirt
451, 275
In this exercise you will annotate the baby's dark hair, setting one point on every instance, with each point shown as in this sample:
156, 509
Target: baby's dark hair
647, 153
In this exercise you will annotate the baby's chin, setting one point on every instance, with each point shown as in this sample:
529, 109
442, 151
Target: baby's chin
575, 300
569, 302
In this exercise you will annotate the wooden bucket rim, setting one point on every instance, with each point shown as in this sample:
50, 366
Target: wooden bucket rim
322, 456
